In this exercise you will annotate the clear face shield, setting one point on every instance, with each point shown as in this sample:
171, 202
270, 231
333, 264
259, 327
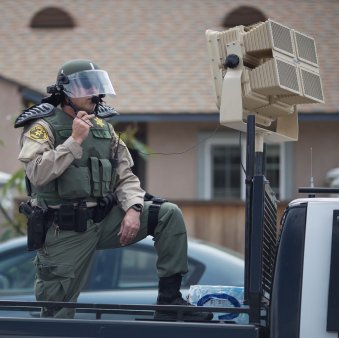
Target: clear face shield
88, 83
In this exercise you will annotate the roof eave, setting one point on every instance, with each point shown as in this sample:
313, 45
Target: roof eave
180, 116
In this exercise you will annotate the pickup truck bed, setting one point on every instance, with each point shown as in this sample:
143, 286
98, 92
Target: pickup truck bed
42, 327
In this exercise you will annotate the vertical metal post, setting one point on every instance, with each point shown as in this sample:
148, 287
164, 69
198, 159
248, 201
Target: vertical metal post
259, 154
250, 162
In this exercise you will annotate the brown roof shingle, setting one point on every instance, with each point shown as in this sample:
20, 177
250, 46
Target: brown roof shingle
154, 50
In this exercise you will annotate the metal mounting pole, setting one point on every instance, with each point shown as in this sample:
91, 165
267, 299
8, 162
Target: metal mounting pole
259, 153
250, 162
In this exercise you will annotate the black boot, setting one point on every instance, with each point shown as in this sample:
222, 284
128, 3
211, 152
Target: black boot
169, 294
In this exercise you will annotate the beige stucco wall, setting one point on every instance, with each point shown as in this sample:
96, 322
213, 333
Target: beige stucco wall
9, 109
174, 176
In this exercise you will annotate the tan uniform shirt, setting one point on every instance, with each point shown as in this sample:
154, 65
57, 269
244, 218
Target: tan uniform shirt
44, 163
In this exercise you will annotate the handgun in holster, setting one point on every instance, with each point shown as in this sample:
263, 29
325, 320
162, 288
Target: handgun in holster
104, 206
37, 225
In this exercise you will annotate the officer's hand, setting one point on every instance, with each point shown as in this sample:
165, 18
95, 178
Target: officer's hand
129, 227
81, 125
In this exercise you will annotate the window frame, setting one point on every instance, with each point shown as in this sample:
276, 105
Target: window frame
217, 141
239, 138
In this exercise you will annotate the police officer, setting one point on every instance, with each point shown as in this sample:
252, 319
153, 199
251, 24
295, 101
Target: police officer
75, 164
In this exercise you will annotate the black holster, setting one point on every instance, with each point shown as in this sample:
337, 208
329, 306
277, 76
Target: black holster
38, 223
153, 212
104, 206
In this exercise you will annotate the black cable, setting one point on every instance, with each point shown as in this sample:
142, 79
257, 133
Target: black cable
184, 151
242, 166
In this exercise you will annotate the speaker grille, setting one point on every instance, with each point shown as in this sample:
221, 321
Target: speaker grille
282, 38
275, 77
312, 85
288, 75
306, 48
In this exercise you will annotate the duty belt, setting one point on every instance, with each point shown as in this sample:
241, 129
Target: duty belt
90, 212
72, 218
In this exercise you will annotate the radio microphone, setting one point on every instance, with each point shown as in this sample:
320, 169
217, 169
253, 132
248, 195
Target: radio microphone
96, 99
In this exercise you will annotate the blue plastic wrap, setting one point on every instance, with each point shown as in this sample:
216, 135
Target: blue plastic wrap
219, 296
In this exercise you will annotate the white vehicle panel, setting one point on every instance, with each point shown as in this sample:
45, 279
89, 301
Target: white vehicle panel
316, 272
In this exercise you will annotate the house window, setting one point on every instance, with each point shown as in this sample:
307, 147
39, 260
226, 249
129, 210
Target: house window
225, 174
220, 164
222, 167
52, 17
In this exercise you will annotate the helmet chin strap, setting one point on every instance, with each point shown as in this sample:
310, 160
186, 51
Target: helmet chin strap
72, 105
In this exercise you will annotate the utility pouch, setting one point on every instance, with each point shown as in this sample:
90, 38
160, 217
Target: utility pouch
95, 173
106, 175
37, 225
81, 217
66, 216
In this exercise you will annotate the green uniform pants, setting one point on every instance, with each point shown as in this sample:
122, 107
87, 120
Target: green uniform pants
63, 263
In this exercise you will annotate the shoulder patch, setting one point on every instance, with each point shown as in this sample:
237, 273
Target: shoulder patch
34, 113
38, 133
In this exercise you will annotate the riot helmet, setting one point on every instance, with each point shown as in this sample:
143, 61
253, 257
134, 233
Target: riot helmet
83, 78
